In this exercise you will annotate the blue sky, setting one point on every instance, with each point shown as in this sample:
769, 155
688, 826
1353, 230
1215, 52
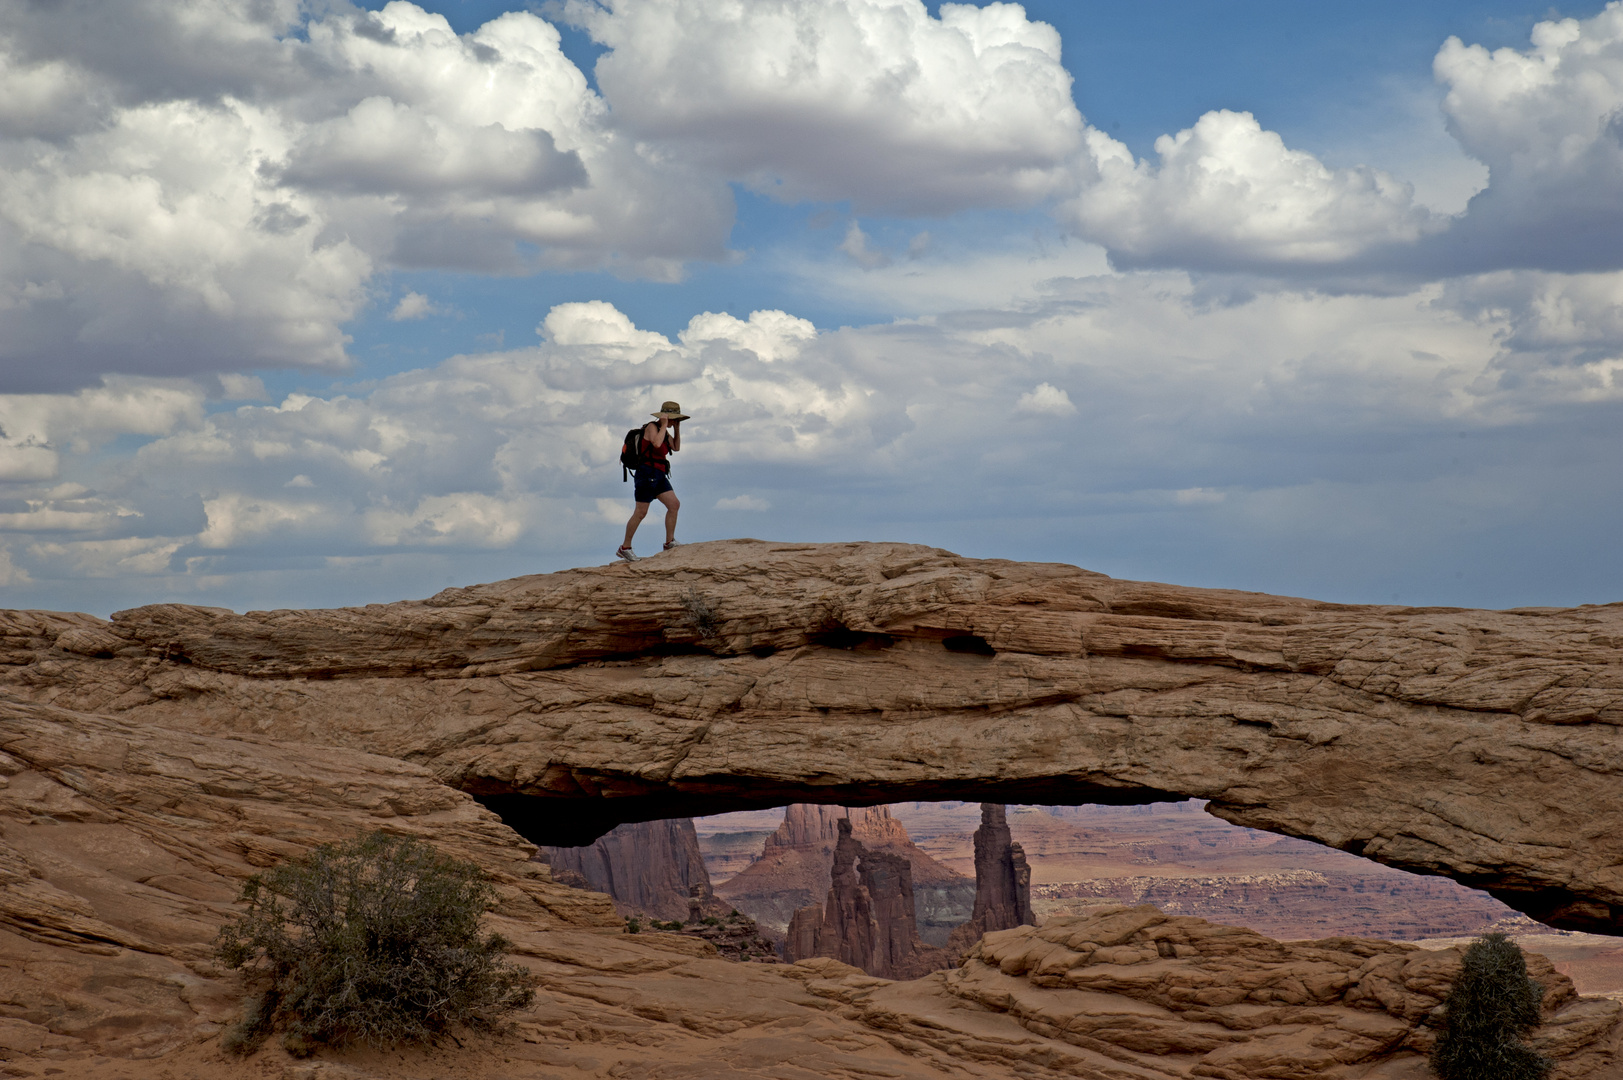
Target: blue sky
310, 304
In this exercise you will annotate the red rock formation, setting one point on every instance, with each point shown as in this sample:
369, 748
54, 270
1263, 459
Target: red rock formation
817, 824
649, 868
868, 921
1480, 745
793, 870
1002, 882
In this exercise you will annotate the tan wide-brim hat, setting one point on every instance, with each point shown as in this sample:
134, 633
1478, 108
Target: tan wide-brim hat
671, 411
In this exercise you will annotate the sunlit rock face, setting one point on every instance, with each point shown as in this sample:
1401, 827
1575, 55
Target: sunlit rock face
793, 870
742, 674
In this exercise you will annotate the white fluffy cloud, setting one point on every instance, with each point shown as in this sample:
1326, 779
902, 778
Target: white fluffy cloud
212, 192
1227, 194
1046, 399
1163, 403
1546, 121
875, 101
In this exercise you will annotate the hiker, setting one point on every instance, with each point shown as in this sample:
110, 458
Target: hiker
659, 439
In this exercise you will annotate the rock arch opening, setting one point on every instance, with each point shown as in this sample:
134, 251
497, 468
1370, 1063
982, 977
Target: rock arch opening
1476, 745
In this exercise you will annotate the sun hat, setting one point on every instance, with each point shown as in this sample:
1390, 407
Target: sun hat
671, 411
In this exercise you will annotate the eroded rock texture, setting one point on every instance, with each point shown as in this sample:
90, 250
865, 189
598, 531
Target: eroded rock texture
1179, 996
649, 867
868, 920
125, 843
796, 860
1002, 882
1481, 745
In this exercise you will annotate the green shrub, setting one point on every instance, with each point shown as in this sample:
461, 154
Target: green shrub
633, 926
1490, 1007
377, 940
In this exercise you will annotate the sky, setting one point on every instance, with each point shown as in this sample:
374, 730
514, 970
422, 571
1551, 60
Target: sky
314, 304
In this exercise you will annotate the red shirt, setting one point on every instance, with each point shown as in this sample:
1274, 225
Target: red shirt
658, 456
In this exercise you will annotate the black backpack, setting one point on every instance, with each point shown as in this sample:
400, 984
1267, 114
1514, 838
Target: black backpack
631, 453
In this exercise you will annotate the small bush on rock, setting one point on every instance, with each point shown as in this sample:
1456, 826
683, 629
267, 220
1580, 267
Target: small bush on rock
377, 940
1490, 1007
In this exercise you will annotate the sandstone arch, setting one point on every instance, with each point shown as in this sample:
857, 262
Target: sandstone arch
1480, 745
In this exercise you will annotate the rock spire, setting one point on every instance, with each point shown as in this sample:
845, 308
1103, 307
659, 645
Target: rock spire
868, 920
1002, 881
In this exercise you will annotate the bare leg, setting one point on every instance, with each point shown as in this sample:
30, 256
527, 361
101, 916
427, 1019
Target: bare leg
636, 519
672, 505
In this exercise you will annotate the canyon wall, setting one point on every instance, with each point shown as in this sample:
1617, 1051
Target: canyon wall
1475, 744
868, 920
794, 869
648, 867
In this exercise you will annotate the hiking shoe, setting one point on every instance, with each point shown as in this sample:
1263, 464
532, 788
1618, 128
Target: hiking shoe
671, 543
626, 553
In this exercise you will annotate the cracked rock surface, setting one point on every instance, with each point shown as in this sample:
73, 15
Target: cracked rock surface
124, 845
1477, 744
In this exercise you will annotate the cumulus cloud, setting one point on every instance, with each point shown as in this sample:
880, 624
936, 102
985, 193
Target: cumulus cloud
1046, 400
211, 187
874, 101
414, 305
1227, 194
1173, 405
1546, 122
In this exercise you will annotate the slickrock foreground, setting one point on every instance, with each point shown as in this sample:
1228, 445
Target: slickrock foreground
124, 845
1182, 997
1481, 745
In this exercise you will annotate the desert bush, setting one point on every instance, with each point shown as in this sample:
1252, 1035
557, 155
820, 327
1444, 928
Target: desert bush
701, 613
377, 940
1490, 1007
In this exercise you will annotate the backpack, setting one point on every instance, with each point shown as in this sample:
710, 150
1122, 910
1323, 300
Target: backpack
631, 453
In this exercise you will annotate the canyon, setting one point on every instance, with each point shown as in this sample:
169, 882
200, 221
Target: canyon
154, 760
792, 869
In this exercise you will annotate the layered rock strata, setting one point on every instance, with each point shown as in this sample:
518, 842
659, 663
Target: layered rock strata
124, 845
1179, 996
794, 868
868, 920
1002, 882
649, 867
1480, 745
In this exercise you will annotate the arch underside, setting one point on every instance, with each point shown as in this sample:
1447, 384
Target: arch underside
1483, 746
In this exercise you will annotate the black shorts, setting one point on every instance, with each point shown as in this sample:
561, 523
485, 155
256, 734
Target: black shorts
651, 484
